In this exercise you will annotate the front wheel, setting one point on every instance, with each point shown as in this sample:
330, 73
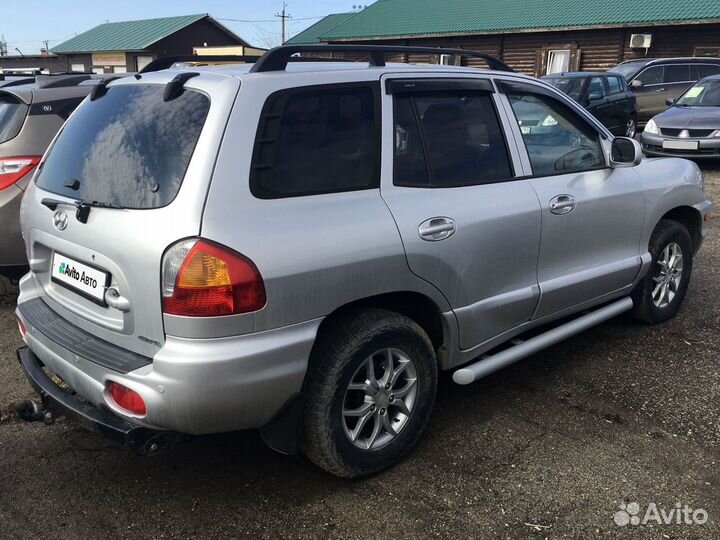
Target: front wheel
660, 294
631, 127
369, 392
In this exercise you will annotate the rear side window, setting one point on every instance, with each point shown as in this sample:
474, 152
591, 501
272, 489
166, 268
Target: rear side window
677, 73
448, 140
319, 140
12, 116
128, 148
614, 85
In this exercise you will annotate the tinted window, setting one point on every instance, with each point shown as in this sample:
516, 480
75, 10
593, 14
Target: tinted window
596, 89
316, 141
462, 137
614, 85
128, 148
705, 70
677, 73
572, 86
12, 116
627, 70
653, 75
557, 139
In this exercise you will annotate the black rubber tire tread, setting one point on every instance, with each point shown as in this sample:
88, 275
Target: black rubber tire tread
667, 231
337, 352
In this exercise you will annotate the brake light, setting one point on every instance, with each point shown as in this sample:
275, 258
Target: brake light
204, 279
127, 399
12, 169
21, 326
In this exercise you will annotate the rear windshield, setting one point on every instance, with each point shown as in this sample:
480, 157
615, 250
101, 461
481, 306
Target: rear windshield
12, 116
572, 86
128, 148
627, 70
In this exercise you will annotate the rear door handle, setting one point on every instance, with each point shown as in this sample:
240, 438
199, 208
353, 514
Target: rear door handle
437, 228
562, 204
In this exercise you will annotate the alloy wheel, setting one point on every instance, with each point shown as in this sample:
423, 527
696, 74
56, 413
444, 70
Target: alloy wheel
630, 128
669, 275
380, 399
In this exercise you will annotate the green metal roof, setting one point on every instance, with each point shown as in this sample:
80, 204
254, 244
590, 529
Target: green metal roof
127, 35
396, 18
312, 35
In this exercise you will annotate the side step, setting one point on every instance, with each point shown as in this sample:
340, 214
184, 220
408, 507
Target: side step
490, 364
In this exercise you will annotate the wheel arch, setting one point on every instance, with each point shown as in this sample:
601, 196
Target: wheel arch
691, 219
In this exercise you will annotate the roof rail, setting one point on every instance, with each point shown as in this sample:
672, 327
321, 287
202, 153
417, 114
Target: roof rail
167, 61
277, 59
58, 81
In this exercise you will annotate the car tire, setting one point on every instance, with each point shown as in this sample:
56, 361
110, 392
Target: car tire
631, 127
652, 304
8, 287
338, 382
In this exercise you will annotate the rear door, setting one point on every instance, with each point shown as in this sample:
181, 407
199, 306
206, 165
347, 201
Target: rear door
148, 157
469, 224
592, 216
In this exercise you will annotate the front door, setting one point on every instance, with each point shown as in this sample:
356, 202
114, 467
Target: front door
592, 215
469, 224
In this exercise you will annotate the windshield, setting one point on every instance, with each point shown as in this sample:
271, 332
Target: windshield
12, 116
572, 86
128, 148
703, 94
627, 70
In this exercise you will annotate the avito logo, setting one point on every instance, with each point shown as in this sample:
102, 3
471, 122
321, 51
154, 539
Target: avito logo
70, 271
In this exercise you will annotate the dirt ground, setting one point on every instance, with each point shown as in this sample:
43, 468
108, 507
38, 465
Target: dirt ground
548, 448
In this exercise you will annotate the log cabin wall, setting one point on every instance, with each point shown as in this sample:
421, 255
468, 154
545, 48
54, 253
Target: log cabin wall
591, 50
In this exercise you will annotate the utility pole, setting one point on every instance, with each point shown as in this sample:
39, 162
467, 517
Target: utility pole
283, 16
47, 48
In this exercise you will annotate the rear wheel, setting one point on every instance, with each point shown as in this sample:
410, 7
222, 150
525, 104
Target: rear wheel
369, 392
660, 294
631, 127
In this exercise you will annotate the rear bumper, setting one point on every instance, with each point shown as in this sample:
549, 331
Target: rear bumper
653, 145
138, 439
193, 386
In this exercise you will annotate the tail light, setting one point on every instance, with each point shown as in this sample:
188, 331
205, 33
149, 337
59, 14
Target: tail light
204, 279
21, 326
127, 399
12, 169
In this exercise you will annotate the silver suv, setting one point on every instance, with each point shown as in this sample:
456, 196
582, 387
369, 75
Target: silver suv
301, 247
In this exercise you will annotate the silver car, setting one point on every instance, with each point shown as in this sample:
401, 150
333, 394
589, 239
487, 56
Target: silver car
690, 127
302, 247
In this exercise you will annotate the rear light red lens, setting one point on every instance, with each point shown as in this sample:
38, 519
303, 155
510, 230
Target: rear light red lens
127, 399
211, 281
12, 169
21, 326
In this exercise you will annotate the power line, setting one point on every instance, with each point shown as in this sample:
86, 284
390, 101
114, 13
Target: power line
268, 20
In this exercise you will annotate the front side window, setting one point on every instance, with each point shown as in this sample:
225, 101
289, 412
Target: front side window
557, 139
448, 140
129, 148
677, 73
614, 85
320, 140
653, 75
596, 89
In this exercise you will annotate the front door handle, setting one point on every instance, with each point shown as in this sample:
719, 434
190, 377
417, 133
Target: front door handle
660, 90
438, 228
562, 204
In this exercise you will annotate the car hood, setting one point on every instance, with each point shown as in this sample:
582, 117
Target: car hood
689, 117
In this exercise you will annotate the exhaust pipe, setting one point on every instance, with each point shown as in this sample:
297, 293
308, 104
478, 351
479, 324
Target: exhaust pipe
490, 364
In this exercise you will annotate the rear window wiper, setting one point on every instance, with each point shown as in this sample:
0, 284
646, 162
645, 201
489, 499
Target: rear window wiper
83, 207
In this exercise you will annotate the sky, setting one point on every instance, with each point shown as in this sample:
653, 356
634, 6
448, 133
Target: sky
26, 24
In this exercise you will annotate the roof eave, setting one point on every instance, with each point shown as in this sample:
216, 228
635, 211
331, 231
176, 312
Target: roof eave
330, 39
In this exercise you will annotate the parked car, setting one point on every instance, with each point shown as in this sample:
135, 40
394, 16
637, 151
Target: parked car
322, 240
690, 127
605, 95
31, 113
655, 80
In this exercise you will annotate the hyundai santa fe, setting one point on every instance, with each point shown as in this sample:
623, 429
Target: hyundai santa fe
300, 247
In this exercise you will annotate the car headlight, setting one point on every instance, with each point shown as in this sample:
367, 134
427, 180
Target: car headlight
651, 127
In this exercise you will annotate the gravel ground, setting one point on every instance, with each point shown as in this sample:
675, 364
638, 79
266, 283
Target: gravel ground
548, 448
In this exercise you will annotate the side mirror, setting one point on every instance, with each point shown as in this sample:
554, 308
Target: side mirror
669, 102
636, 84
625, 152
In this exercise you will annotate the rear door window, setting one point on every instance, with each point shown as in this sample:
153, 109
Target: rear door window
449, 139
319, 140
677, 73
129, 148
12, 115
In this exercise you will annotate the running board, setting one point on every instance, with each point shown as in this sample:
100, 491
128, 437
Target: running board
490, 364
